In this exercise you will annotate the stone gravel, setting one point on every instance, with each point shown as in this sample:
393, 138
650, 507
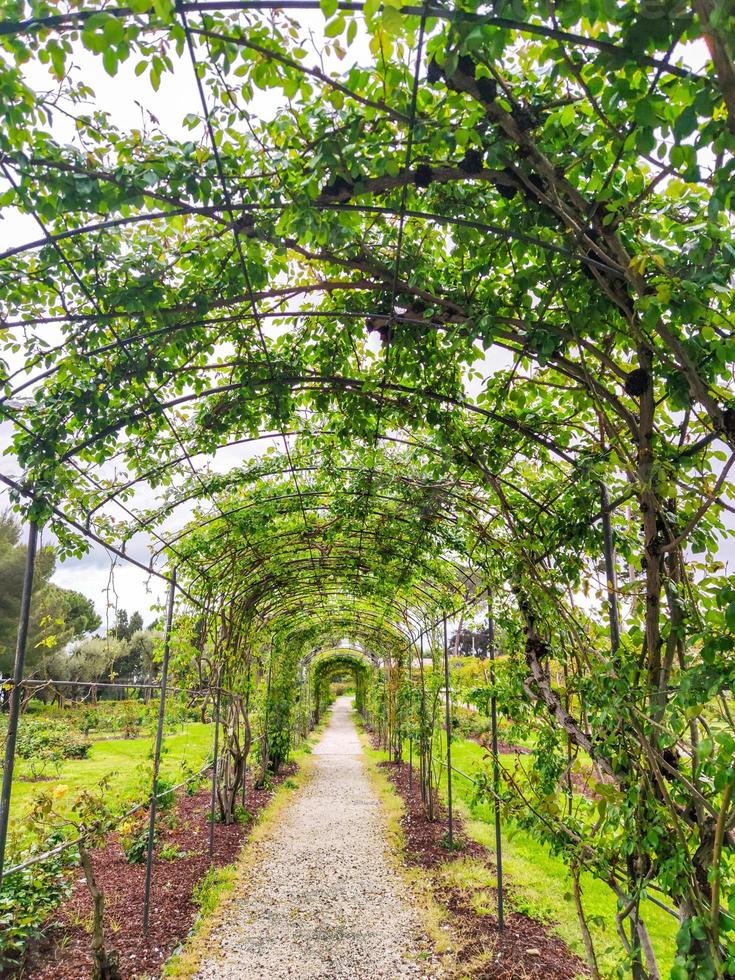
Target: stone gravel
322, 899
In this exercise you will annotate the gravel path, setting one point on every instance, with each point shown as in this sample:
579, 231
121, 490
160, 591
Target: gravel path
322, 899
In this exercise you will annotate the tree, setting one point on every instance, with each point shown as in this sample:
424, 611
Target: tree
136, 660
472, 643
58, 615
95, 660
121, 629
135, 625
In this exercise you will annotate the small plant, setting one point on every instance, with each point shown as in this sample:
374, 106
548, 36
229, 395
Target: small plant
242, 815
38, 768
136, 847
452, 845
536, 910
165, 793
27, 897
290, 783
91, 819
207, 892
134, 837
171, 852
188, 774
131, 720
88, 721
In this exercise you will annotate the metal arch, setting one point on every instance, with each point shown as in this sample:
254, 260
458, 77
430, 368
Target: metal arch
296, 533
240, 478
330, 383
332, 493
333, 653
317, 507
272, 582
323, 647
349, 619
71, 22
281, 610
411, 443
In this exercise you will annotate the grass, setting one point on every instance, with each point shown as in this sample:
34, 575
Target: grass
121, 759
541, 884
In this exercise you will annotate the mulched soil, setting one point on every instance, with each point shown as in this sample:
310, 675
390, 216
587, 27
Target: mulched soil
525, 949
427, 839
65, 952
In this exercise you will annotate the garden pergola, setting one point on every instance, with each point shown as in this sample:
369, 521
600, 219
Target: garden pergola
435, 306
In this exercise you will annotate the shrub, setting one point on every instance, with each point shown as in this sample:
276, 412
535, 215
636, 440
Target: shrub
342, 687
88, 721
50, 741
171, 852
27, 898
131, 719
190, 776
134, 837
471, 724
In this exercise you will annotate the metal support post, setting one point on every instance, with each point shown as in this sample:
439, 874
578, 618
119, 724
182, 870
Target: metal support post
496, 764
448, 716
157, 752
213, 795
16, 693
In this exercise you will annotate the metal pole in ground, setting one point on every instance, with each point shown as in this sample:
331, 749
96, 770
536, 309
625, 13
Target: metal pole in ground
16, 693
614, 619
213, 795
422, 713
610, 572
448, 716
386, 701
266, 720
247, 722
410, 737
496, 763
157, 752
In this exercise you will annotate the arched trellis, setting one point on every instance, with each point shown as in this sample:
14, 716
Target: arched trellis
324, 664
604, 329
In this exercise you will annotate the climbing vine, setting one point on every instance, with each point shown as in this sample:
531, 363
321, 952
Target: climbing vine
458, 296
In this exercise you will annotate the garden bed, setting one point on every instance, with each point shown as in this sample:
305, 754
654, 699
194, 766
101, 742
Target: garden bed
526, 948
65, 952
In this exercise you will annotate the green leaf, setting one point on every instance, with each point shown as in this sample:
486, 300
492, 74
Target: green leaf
335, 27
109, 60
392, 20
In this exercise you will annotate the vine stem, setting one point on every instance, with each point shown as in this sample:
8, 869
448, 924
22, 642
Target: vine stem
716, 859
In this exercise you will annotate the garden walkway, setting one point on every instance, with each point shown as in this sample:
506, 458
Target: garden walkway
322, 899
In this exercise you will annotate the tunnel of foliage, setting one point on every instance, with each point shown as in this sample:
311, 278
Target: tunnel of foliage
377, 328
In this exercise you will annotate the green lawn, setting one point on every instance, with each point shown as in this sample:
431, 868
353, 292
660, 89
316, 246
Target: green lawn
121, 759
540, 882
